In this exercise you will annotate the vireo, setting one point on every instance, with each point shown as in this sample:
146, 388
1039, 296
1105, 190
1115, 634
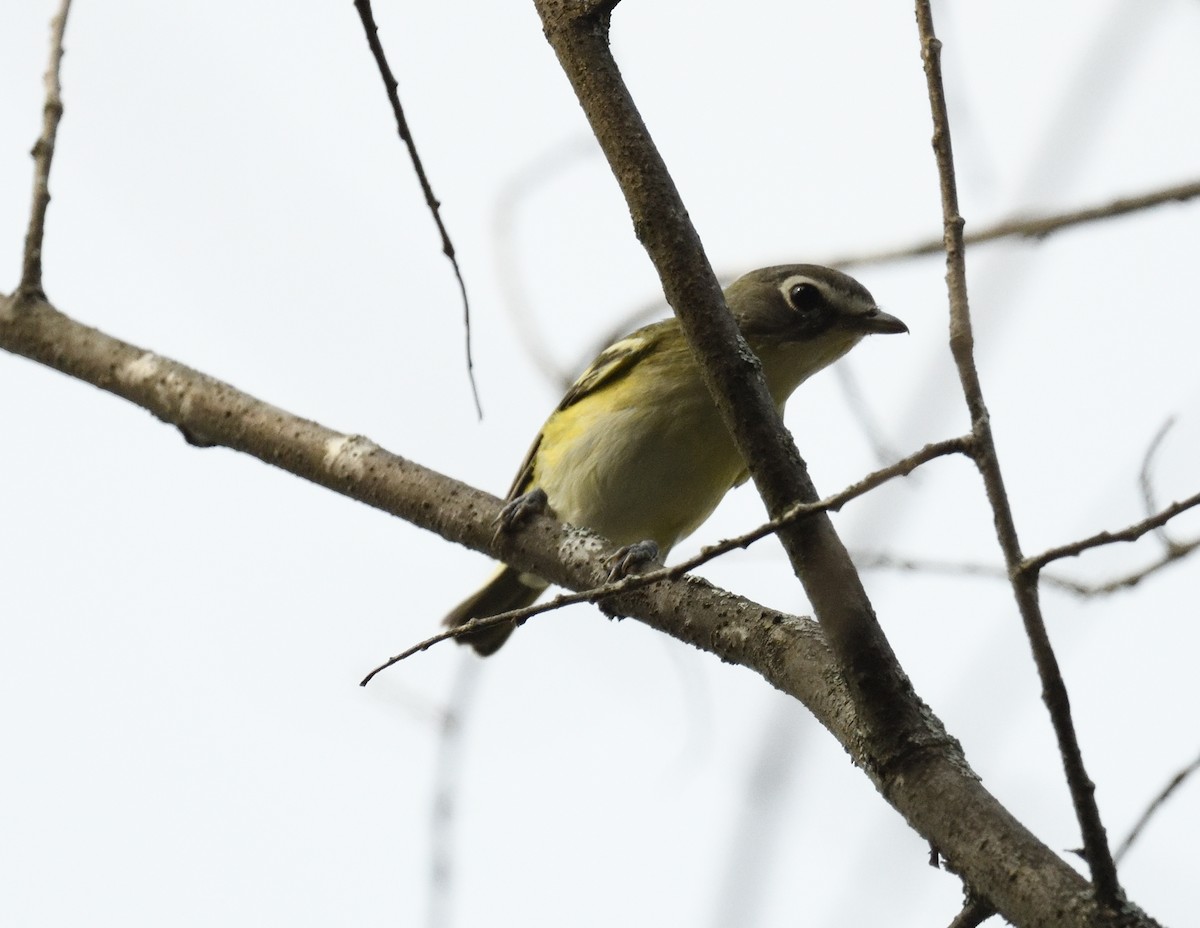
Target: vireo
636, 451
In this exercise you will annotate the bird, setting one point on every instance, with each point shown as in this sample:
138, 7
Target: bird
637, 452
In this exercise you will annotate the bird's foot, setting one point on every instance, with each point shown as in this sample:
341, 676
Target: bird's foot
517, 512
631, 559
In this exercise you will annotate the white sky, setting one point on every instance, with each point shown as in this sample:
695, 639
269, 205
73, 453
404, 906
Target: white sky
183, 631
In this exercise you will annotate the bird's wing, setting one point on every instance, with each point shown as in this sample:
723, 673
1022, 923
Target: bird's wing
613, 363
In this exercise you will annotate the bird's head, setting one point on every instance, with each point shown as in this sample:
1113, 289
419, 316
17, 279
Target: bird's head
799, 318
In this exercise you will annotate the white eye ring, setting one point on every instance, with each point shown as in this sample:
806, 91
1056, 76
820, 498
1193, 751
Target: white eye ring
803, 295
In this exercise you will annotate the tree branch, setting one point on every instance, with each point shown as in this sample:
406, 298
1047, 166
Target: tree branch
1032, 227
939, 794
637, 581
1024, 583
43, 157
1132, 533
883, 695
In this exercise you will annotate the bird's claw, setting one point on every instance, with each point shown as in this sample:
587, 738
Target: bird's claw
631, 559
517, 512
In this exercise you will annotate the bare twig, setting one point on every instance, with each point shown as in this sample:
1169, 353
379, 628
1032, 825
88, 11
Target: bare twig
1173, 784
393, 91
1131, 533
1054, 691
1031, 227
882, 560
1177, 552
1146, 482
903, 468
447, 779
1174, 550
43, 156
515, 616
504, 236
860, 410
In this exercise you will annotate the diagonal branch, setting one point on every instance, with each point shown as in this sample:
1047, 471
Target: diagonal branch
1133, 532
1032, 227
435, 207
833, 503
1155, 804
43, 157
883, 694
1024, 583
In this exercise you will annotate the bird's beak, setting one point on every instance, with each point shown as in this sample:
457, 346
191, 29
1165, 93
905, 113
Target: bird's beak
879, 322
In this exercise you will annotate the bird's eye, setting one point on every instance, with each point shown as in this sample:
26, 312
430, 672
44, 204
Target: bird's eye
806, 298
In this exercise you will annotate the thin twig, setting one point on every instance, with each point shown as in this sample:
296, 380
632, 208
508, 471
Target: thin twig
902, 468
393, 91
43, 156
1177, 552
881, 560
861, 411
515, 191
447, 782
1031, 227
1173, 784
1145, 480
1131, 533
515, 616
1024, 584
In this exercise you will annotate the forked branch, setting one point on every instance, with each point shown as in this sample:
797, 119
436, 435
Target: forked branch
1024, 583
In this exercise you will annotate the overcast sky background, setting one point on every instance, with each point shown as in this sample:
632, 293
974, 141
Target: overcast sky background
183, 631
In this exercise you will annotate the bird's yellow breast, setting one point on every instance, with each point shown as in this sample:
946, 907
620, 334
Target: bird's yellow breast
633, 470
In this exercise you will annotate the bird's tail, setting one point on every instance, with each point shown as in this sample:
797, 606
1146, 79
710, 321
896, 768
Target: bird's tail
506, 589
